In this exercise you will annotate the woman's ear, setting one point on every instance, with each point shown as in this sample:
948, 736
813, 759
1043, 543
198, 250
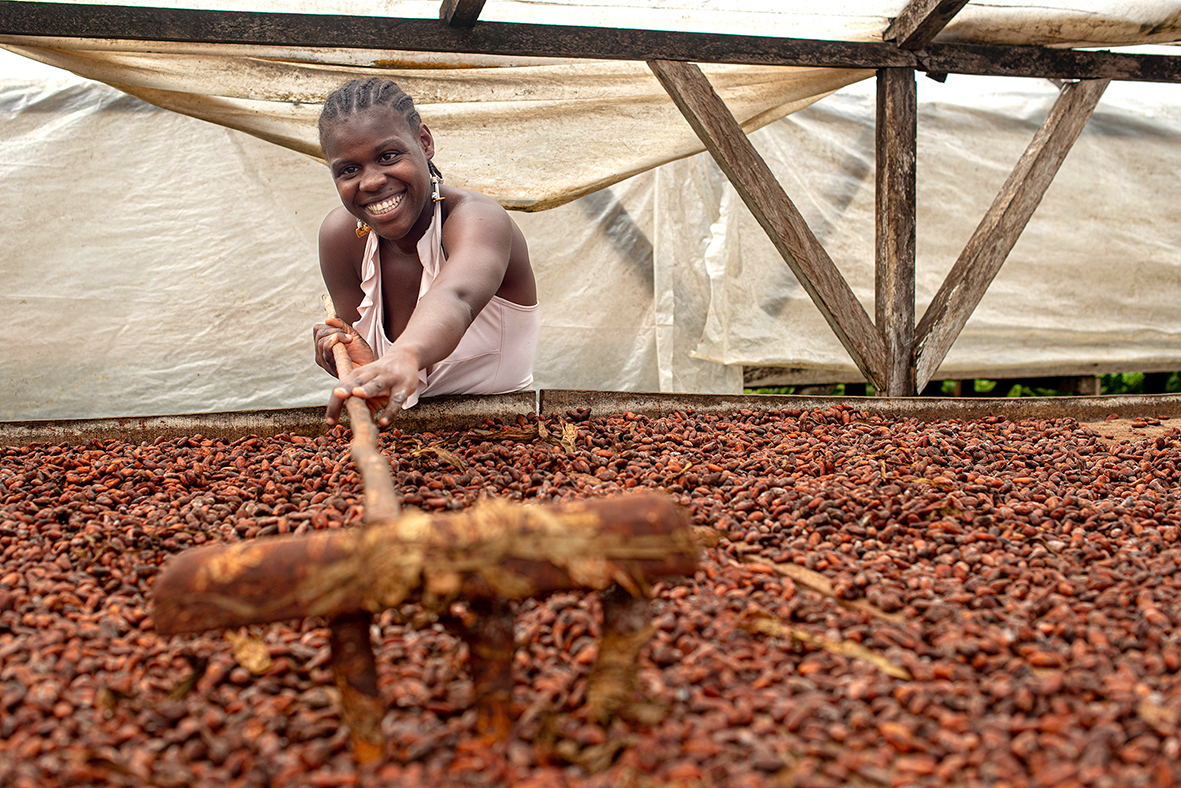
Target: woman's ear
426, 140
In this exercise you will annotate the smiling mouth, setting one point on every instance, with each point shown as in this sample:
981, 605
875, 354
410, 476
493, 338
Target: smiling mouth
385, 206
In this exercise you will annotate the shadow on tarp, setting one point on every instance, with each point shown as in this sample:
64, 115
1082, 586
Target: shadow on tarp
470, 411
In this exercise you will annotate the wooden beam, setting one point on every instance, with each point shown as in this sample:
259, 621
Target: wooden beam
68, 20
428, 35
1066, 64
1000, 228
897, 126
756, 184
461, 13
921, 21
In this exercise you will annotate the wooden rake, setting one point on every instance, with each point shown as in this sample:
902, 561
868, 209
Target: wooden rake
485, 557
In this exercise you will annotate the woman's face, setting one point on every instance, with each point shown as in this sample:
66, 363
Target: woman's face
379, 165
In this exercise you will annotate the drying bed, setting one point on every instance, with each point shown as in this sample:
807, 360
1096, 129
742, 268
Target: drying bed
879, 601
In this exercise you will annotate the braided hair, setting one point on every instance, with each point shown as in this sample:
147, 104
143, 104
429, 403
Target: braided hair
357, 95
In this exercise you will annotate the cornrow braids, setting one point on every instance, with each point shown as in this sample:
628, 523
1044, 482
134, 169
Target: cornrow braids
361, 94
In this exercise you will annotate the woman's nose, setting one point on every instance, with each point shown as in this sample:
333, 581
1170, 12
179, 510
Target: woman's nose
372, 179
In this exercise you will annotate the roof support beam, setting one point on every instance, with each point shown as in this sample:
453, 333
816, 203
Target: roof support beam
67, 20
1066, 64
1000, 228
461, 13
921, 21
894, 217
756, 184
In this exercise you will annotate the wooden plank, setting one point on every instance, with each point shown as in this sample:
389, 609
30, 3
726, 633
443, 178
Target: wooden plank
1000, 228
67, 20
1066, 64
921, 21
461, 13
429, 35
897, 125
761, 192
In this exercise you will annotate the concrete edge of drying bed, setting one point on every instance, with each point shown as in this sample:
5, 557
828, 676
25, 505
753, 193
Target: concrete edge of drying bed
430, 414
1160, 406
458, 412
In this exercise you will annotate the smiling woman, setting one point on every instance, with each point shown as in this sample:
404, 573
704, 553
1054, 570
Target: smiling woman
432, 285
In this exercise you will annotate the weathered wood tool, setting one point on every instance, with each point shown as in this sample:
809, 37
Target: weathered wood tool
485, 557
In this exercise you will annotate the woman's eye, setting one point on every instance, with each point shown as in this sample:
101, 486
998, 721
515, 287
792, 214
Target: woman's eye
345, 172
388, 156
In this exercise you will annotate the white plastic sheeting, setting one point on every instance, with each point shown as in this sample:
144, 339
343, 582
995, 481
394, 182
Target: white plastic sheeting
156, 264
533, 136
536, 133
1091, 284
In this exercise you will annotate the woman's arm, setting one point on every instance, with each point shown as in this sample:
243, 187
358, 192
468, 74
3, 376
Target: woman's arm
340, 257
478, 238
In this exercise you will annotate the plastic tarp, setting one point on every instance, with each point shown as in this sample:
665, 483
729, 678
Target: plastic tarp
156, 264
153, 263
533, 136
536, 133
1091, 284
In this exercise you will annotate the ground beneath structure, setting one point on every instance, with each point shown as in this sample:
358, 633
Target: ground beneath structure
880, 602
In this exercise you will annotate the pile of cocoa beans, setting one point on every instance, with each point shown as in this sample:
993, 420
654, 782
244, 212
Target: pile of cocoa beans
879, 603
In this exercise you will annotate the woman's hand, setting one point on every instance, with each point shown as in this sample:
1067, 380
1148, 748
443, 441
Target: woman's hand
332, 332
384, 385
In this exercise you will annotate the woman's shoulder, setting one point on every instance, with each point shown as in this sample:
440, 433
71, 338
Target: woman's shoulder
338, 223
340, 245
455, 197
469, 210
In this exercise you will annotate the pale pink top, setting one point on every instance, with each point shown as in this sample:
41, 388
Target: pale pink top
495, 355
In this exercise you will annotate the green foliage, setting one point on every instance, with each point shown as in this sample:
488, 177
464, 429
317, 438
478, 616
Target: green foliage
980, 386
1128, 383
1123, 383
1019, 390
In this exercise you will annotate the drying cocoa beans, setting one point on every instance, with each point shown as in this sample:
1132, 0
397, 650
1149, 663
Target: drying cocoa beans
880, 602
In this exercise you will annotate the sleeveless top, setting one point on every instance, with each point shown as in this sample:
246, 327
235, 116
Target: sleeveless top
495, 354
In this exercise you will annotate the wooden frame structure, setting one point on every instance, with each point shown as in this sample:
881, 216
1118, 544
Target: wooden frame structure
896, 354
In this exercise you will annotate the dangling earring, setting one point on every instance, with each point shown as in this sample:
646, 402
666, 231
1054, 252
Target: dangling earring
362, 229
436, 179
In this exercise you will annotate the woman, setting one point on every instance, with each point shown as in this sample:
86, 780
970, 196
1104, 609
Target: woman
432, 285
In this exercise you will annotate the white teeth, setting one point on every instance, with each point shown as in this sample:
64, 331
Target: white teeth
385, 206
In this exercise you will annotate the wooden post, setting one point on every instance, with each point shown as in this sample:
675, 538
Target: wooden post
461, 13
921, 21
627, 628
897, 124
491, 643
779, 218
